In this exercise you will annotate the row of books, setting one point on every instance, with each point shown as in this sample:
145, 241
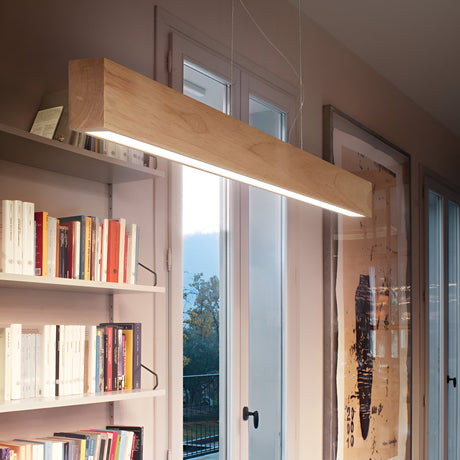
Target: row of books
79, 247
113, 150
61, 360
115, 442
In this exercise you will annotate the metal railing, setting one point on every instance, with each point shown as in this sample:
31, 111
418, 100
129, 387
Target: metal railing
201, 415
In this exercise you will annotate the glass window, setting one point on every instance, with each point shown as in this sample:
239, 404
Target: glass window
266, 314
435, 325
203, 304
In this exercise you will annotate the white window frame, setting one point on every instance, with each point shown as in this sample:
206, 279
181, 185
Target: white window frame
175, 41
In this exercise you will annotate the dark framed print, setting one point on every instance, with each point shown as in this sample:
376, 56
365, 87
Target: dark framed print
367, 302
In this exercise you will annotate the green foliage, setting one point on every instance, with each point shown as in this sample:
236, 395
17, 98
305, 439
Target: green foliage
201, 326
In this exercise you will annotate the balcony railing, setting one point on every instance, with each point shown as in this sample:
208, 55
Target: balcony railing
201, 415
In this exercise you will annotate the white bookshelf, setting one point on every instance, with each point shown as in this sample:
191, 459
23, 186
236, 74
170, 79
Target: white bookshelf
74, 181
77, 400
21, 147
8, 280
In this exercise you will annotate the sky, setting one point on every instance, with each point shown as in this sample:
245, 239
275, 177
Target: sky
200, 202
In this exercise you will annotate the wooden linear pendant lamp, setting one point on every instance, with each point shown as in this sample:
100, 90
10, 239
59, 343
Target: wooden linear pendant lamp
112, 102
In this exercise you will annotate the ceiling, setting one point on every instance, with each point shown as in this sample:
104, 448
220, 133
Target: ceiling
415, 44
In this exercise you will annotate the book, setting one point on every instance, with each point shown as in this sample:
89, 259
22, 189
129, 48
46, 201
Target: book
62, 131
37, 448
86, 452
6, 237
4, 453
22, 450
41, 243
17, 235
84, 239
62, 250
57, 446
90, 359
133, 350
132, 255
16, 367
70, 265
94, 256
46, 121
122, 253
113, 251
57, 359
28, 238
112, 443
88, 247
104, 249
3, 362
138, 444
52, 246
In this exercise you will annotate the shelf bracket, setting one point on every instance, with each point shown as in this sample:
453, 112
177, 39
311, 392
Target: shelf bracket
155, 276
153, 373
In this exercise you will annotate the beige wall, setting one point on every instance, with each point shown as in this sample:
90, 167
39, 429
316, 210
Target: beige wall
38, 39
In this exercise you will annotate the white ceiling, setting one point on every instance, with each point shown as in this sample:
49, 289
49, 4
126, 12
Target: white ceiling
415, 44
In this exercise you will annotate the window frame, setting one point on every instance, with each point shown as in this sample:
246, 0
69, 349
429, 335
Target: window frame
176, 41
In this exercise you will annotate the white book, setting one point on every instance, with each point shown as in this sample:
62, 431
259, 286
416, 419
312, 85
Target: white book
24, 367
132, 254
81, 373
121, 259
109, 149
76, 250
50, 366
90, 354
104, 249
3, 362
38, 451
57, 447
17, 236
62, 358
75, 371
31, 337
28, 239
42, 359
52, 242
97, 276
129, 445
16, 332
6, 237
8, 363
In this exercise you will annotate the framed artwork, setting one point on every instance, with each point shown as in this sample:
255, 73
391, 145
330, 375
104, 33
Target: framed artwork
367, 295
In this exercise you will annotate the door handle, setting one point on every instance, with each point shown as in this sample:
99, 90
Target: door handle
247, 414
452, 379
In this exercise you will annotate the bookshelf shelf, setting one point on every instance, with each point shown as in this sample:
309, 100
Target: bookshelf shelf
36, 300
8, 280
31, 150
77, 400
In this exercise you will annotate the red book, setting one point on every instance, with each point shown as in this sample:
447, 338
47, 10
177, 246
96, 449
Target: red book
113, 251
41, 243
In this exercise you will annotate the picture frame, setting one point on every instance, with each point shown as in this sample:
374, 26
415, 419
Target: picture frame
367, 301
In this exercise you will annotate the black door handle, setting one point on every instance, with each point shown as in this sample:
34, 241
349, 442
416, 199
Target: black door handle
452, 379
247, 414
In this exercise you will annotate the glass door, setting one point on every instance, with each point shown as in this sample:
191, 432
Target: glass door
443, 325
266, 305
204, 288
